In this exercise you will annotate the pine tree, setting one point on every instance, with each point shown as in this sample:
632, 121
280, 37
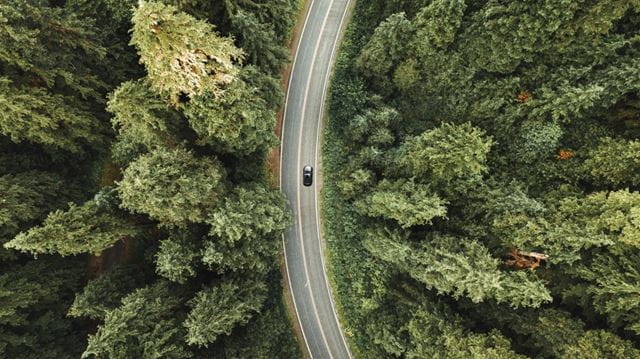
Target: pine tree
142, 116
245, 230
172, 186
218, 309
406, 202
182, 55
104, 293
601, 219
146, 325
36, 115
80, 229
615, 162
595, 344
27, 197
450, 156
459, 267
177, 256
34, 298
237, 120
49, 45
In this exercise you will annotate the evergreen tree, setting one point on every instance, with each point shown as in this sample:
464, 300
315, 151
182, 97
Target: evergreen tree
36, 115
615, 162
28, 197
434, 334
182, 55
80, 229
601, 219
104, 293
450, 156
596, 344
142, 116
146, 325
237, 120
459, 267
218, 309
34, 297
46, 46
611, 287
245, 230
406, 202
176, 257
172, 186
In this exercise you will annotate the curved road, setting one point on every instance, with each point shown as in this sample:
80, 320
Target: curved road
300, 146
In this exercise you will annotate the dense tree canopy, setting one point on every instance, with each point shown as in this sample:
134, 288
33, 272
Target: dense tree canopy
484, 154
152, 237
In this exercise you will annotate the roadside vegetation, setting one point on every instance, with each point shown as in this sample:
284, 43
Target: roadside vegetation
136, 219
482, 177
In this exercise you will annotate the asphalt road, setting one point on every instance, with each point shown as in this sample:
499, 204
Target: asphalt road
300, 146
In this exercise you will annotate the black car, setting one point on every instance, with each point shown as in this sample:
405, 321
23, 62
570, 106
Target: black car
307, 175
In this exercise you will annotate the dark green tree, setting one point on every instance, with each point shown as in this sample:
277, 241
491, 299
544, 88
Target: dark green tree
459, 267
80, 229
172, 186
237, 120
143, 117
218, 309
104, 293
245, 230
146, 325
406, 202
36, 115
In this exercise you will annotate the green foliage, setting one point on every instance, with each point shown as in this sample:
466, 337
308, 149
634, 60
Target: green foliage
601, 344
237, 120
34, 298
257, 41
182, 55
51, 47
28, 197
406, 202
33, 114
612, 284
253, 211
245, 230
577, 223
538, 139
270, 336
218, 309
437, 335
104, 293
142, 116
176, 257
146, 325
386, 46
172, 186
448, 155
522, 116
459, 267
80, 229
614, 162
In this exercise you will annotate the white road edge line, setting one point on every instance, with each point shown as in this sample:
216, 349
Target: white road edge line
284, 119
319, 145
304, 107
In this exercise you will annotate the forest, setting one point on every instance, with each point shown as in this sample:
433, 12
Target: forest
137, 217
482, 178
